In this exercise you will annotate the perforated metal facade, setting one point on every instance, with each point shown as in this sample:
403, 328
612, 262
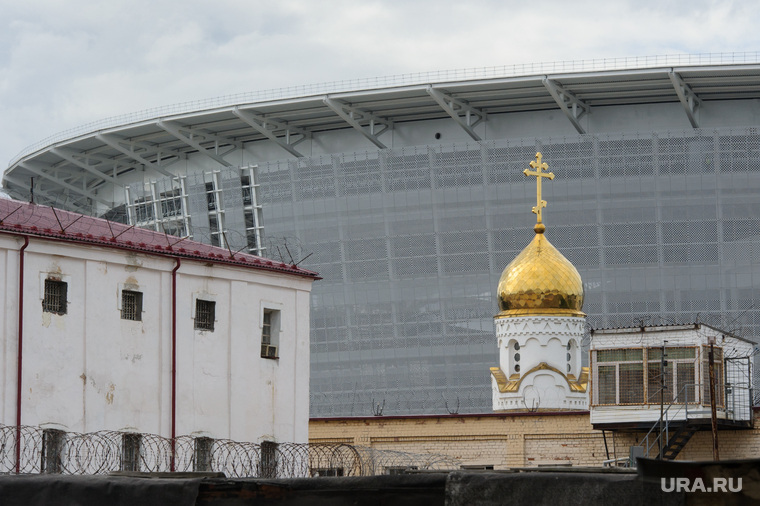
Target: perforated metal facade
411, 243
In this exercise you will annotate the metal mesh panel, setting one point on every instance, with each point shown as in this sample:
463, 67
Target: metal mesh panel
234, 216
662, 226
196, 196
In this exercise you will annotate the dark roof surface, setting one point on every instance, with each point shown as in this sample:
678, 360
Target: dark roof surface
24, 218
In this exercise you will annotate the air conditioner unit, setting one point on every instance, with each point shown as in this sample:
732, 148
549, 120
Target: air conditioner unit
268, 351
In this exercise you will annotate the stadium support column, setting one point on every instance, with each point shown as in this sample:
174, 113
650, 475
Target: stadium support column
460, 111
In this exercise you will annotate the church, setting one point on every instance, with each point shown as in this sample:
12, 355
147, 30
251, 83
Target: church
646, 391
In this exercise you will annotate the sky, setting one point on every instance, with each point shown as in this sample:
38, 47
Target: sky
67, 63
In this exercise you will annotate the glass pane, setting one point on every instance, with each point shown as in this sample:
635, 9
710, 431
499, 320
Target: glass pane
671, 353
685, 388
621, 355
631, 383
656, 383
607, 384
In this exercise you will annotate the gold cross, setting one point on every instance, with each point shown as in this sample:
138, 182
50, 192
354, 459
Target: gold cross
539, 166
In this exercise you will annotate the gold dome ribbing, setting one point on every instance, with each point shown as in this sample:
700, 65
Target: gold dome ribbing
540, 281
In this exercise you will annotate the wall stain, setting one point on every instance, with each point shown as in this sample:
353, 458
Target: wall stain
133, 263
109, 394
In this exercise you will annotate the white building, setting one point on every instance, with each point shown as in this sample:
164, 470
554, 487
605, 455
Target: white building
111, 327
632, 381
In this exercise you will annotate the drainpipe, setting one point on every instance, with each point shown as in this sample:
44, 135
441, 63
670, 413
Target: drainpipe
20, 349
174, 361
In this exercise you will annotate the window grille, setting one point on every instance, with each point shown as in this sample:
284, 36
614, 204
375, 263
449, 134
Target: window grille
171, 203
252, 210
269, 459
268, 330
637, 376
144, 209
131, 305
678, 375
130, 452
327, 471
211, 196
164, 210
52, 449
202, 454
620, 376
204, 314
54, 298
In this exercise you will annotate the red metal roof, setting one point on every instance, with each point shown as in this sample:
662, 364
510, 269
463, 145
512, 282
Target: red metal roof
23, 218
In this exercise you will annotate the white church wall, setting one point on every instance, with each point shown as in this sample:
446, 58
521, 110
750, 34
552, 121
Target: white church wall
543, 344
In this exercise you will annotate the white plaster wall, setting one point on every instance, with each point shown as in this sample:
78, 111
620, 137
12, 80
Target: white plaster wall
9, 307
90, 370
681, 336
542, 340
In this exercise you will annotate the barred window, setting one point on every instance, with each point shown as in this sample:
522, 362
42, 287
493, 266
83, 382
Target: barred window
676, 380
52, 449
54, 298
131, 305
637, 376
204, 314
268, 464
130, 451
620, 376
203, 454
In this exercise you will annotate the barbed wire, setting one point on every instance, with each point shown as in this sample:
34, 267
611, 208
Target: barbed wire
55, 451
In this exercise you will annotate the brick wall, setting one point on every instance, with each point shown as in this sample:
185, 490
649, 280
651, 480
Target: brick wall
515, 439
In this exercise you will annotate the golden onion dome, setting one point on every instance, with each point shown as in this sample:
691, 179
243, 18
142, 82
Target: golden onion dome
540, 281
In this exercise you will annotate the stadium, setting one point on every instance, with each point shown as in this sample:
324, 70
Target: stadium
406, 194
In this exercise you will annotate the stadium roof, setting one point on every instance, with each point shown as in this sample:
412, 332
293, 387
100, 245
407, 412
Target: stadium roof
79, 161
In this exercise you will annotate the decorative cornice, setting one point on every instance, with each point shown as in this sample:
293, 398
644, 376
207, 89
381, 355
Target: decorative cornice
506, 328
513, 385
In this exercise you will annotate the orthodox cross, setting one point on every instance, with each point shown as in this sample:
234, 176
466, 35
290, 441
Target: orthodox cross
539, 166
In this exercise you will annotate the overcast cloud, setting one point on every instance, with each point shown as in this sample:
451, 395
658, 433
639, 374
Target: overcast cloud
66, 63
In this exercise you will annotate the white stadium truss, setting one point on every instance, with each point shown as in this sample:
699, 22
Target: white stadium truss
407, 195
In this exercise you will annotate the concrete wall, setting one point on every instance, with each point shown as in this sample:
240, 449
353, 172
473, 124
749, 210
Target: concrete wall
90, 370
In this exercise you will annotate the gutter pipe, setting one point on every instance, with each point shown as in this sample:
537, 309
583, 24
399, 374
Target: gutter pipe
20, 350
174, 363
